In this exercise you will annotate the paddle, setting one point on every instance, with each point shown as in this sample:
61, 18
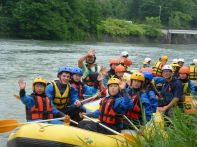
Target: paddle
89, 99
138, 130
126, 136
9, 125
16, 96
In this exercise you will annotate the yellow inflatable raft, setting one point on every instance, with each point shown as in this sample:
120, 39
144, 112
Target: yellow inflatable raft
50, 135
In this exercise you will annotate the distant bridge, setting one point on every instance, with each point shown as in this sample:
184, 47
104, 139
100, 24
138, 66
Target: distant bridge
174, 31
190, 32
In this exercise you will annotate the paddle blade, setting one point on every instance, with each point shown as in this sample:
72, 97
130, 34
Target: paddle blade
16, 96
8, 121
8, 125
129, 138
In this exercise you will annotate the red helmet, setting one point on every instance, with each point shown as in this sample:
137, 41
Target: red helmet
114, 61
120, 68
146, 69
184, 70
126, 61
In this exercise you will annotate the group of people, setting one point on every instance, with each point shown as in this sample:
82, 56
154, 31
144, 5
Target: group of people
134, 94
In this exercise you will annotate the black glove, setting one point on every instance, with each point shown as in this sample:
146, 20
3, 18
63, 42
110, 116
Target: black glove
22, 92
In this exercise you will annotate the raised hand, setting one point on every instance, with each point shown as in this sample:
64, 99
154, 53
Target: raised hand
22, 84
103, 71
100, 77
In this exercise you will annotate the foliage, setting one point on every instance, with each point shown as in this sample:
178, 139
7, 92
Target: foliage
79, 19
116, 27
50, 19
154, 22
181, 132
179, 20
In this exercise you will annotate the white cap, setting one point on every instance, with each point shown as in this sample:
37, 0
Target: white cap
195, 61
167, 67
124, 53
175, 61
147, 59
181, 60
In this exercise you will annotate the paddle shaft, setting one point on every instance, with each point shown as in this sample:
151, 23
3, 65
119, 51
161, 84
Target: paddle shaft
104, 126
88, 99
62, 118
131, 123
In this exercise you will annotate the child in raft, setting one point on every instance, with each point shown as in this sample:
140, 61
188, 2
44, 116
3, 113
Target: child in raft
38, 105
111, 109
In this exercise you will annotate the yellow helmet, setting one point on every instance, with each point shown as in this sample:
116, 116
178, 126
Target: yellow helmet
113, 81
137, 76
164, 58
39, 80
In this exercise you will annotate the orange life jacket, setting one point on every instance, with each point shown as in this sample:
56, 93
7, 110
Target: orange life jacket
41, 110
79, 87
107, 113
134, 113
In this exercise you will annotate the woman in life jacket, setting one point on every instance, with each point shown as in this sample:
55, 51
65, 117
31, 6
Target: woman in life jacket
38, 105
90, 69
111, 109
119, 72
113, 64
84, 89
141, 111
188, 85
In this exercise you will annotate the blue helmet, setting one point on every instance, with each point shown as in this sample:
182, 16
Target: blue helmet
77, 70
148, 75
64, 69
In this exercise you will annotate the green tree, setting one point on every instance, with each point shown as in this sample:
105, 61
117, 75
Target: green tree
41, 20
179, 20
153, 21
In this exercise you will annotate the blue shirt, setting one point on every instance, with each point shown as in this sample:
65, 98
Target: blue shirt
153, 100
170, 90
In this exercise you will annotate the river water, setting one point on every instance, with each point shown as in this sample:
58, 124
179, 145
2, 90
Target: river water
28, 59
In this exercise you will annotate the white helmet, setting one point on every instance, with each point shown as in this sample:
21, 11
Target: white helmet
181, 60
195, 61
124, 53
175, 61
167, 67
147, 59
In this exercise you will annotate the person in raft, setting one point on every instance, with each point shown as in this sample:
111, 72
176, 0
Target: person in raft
63, 95
111, 109
38, 105
83, 88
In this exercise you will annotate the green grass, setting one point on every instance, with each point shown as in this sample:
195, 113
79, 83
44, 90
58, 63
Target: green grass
181, 131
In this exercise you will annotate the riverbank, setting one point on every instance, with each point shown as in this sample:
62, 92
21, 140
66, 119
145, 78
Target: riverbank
176, 39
